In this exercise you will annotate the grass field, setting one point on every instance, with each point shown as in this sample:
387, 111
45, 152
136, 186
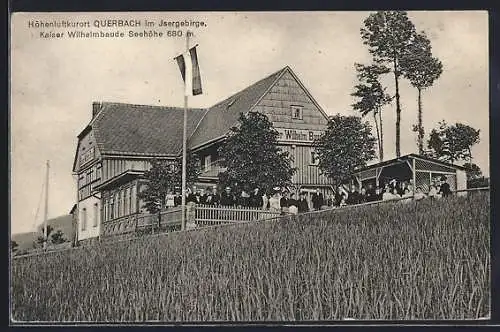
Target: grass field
424, 260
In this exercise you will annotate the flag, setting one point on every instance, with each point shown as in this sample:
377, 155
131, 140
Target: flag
190, 71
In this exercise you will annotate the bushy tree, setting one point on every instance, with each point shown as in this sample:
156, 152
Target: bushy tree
163, 177
371, 98
453, 143
252, 157
58, 237
346, 144
473, 171
388, 34
41, 239
13, 246
421, 69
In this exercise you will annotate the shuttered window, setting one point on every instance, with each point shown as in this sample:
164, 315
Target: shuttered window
96, 214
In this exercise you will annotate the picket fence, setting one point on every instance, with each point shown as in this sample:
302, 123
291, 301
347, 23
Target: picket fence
171, 219
201, 216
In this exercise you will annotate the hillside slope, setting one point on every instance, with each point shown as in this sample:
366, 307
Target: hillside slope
63, 223
419, 260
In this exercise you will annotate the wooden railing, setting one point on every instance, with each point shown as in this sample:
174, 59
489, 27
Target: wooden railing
122, 225
207, 215
170, 220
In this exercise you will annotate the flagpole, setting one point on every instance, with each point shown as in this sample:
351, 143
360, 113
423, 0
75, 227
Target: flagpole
46, 207
184, 137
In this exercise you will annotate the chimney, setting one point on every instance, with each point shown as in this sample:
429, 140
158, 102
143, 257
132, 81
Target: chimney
96, 108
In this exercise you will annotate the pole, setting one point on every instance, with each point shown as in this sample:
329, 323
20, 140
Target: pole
184, 137
46, 207
77, 216
414, 171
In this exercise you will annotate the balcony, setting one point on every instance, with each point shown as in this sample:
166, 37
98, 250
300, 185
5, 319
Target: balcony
212, 170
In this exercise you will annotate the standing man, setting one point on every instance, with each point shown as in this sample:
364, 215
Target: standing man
177, 198
303, 206
293, 204
317, 200
243, 198
256, 200
227, 197
353, 197
284, 203
363, 198
215, 196
444, 188
190, 195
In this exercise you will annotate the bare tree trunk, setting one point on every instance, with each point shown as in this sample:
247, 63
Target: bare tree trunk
159, 220
398, 110
381, 135
378, 136
420, 137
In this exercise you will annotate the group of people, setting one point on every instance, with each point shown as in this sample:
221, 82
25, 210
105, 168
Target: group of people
282, 200
391, 190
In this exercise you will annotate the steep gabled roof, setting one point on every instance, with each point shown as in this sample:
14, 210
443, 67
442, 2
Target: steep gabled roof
223, 115
127, 129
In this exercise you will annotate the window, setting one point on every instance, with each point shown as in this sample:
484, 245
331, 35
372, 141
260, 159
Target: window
314, 159
84, 219
208, 163
130, 201
81, 180
117, 199
87, 156
111, 209
133, 196
122, 197
296, 112
105, 210
99, 171
126, 205
96, 214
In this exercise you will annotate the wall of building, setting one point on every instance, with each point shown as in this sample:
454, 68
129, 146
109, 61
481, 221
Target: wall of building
461, 180
308, 173
277, 105
89, 218
88, 152
116, 166
297, 130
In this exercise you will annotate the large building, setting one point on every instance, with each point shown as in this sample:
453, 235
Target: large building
114, 149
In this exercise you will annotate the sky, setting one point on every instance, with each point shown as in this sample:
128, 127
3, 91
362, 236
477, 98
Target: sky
55, 80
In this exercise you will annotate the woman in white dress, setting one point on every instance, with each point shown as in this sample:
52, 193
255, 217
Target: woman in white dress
274, 202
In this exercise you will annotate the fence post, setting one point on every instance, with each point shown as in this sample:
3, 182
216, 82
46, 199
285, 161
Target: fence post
190, 216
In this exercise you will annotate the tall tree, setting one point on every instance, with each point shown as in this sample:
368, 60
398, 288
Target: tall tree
473, 171
372, 98
163, 177
252, 157
388, 34
346, 144
421, 69
453, 143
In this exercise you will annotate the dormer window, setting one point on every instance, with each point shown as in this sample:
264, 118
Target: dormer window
208, 163
296, 112
314, 160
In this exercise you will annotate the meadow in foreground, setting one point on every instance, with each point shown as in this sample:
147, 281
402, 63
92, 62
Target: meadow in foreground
419, 260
